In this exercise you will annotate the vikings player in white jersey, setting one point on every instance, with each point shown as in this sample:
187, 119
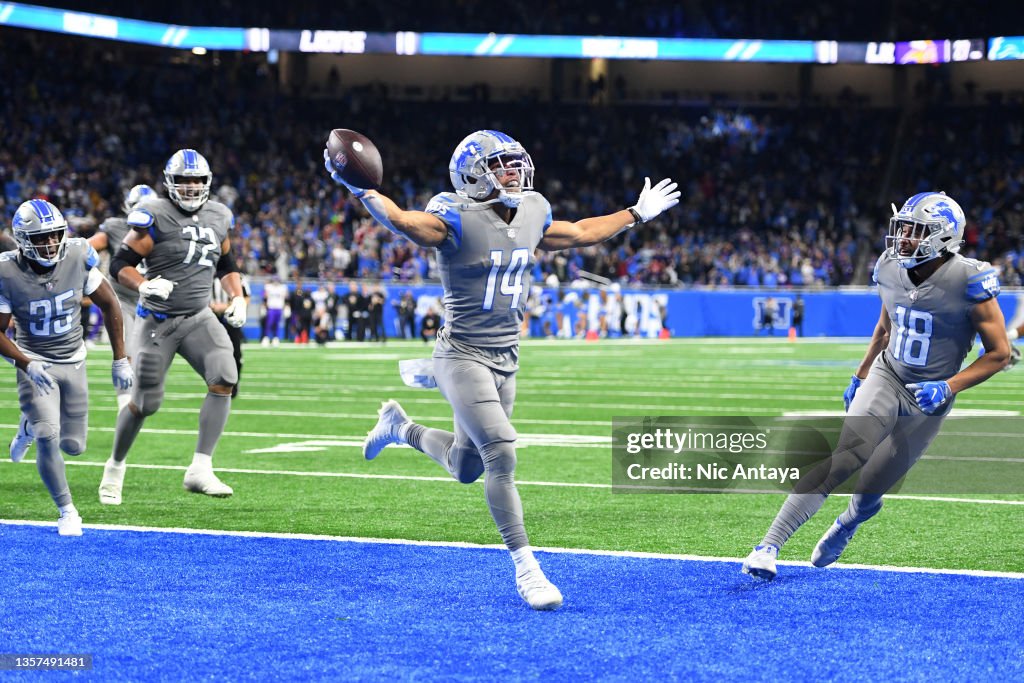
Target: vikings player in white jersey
934, 302
41, 287
485, 234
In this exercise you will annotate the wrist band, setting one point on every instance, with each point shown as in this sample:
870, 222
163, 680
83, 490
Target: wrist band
636, 215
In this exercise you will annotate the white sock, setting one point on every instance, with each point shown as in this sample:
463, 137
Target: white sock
113, 463
202, 461
68, 509
402, 433
524, 560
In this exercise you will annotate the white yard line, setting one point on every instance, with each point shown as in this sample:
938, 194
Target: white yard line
571, 551
554, 484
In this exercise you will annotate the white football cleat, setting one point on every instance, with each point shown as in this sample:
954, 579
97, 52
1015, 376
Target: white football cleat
22, 441
265, 341
539, 593
831, 545
760, 562
69, 524
201, 480
110, 485
385, 432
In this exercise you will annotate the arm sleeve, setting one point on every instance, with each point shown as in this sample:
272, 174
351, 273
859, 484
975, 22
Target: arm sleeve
445, 209
983, 286
93, 281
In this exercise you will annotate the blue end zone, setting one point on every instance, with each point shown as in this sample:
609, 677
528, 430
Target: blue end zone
176, 606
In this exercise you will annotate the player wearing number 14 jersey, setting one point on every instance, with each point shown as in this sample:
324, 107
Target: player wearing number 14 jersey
485, 234
934, 301
184, 239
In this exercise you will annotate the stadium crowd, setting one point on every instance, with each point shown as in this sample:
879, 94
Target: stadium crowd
772, 196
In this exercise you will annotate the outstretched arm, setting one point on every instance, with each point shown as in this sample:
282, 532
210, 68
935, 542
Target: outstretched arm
652, 202
420, 227
426, 230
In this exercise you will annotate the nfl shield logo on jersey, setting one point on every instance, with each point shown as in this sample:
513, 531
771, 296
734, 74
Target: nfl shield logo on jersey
511, 232
49, 286
914, 294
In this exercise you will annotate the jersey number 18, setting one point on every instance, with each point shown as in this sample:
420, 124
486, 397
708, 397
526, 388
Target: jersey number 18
913, 335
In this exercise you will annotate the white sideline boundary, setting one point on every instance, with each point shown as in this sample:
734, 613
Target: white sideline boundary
479, 546
555, 484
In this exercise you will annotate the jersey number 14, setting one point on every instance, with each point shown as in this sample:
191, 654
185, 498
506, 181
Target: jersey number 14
512, 279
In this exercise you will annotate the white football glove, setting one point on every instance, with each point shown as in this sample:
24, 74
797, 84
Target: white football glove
157, 287
357, 192
36, 371
121, 371
235, 313
654, 200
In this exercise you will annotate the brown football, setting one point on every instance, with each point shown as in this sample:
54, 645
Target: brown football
355, 158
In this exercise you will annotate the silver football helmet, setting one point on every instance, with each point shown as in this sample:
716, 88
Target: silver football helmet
136, 195
480, 157
929, 224
180, 176
41, 232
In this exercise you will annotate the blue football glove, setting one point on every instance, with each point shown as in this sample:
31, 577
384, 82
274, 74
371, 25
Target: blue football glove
357, 192
930, 396
850, 392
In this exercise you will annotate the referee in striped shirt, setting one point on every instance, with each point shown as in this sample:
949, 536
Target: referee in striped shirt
219, 303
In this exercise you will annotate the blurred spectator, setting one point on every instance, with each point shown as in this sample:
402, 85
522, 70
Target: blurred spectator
429, 325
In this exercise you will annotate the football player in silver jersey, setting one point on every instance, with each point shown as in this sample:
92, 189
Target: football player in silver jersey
109, 237
184, 239
485, 234
934, 301
41, 287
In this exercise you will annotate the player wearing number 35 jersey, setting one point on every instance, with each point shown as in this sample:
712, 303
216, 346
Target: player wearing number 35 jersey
485, 234
184, 240
934, 302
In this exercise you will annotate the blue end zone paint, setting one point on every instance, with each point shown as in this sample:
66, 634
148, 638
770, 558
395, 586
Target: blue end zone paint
176, 606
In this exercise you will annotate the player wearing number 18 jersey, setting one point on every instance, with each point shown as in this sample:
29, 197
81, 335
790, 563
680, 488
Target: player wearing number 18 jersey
934, 301
485, 234
184, 240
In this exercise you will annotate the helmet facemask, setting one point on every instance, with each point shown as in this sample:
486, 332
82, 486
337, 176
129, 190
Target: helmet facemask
924, 229
41, 232
504, 166
188, 192
187, 178
483, 160
46, 248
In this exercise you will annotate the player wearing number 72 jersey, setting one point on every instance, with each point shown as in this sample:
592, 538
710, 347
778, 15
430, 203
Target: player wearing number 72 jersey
934, 301
485, 234
184, 239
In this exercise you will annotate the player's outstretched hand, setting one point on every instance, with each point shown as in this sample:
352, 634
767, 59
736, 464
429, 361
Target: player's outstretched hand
158, 287
36, 371
122, 373
930, 396
235, 313
851, 391
655, 200
336, 177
